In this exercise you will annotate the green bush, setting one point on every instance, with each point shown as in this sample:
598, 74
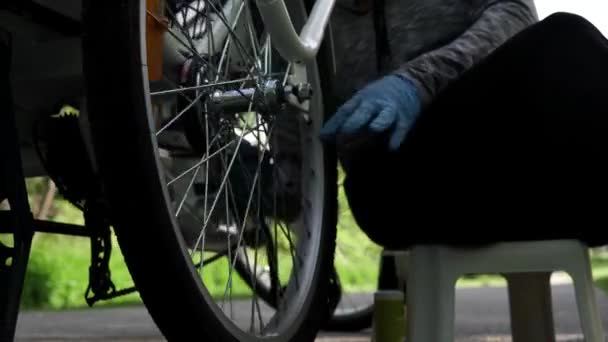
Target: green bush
38, 284
57, 274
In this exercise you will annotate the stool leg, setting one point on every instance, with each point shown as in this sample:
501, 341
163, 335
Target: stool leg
430, 298
531, 307
586, 301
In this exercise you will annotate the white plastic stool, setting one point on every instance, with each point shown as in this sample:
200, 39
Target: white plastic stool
433, 271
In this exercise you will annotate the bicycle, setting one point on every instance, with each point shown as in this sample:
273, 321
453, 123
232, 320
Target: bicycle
264, 179
219, 100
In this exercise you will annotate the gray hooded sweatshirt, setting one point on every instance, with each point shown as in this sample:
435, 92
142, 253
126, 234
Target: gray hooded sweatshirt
431, 41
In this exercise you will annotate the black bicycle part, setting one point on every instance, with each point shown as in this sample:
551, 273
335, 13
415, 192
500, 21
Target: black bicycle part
101, 286
43, 15
61, 144
41, 226
62, 150
12, 187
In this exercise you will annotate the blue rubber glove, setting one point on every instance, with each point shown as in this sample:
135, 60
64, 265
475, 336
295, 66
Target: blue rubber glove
390, 104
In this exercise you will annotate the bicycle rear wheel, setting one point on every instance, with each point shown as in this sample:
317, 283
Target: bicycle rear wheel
208, 158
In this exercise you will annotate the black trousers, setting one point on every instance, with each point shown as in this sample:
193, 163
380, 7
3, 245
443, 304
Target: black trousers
516, 149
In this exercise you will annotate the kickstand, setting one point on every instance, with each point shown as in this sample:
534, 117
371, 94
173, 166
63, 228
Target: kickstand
13, 254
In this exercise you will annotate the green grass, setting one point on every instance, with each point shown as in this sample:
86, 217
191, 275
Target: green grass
600, 270
599, 263
57, 275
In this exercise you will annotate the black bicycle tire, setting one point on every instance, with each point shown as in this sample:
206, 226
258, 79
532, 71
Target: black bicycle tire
110, 26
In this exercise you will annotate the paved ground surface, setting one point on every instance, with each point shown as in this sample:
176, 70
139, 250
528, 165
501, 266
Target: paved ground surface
481, 315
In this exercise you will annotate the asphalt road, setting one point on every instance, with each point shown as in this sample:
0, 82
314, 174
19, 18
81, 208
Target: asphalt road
481, 315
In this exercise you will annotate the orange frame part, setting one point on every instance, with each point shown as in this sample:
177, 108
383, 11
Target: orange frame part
156, 24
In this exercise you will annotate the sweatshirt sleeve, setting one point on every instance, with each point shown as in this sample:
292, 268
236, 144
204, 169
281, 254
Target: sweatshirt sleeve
498, 21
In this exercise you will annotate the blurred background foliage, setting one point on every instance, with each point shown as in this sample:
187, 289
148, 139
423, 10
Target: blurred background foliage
57, 274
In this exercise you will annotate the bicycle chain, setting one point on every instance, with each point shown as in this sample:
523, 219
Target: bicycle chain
101, 286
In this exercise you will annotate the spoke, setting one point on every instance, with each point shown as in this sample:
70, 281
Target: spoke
192, 180
198, 5
197, 165
248, 207
228, 246
226, 70
237, 217
229, 40
205, 159
287, 71
210, 43
232, 35
187, 211
255, 283
202, 86
191, 48
194, 33
257, 243
251, 59
255, 302
210, 260
180, 114
268, 56
175, 87
199, 27
224, 180
253, 280
276, 243
207, 147
187, 18
253, 40
195, 52
294, 261
202, 251
205, 217
244, 222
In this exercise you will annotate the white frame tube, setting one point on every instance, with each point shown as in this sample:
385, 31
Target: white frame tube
292, 46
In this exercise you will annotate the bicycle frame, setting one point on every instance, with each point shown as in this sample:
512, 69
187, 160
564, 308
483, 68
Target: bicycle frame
293, 47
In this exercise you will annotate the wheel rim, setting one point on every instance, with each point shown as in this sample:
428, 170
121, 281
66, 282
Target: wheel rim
232, 217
